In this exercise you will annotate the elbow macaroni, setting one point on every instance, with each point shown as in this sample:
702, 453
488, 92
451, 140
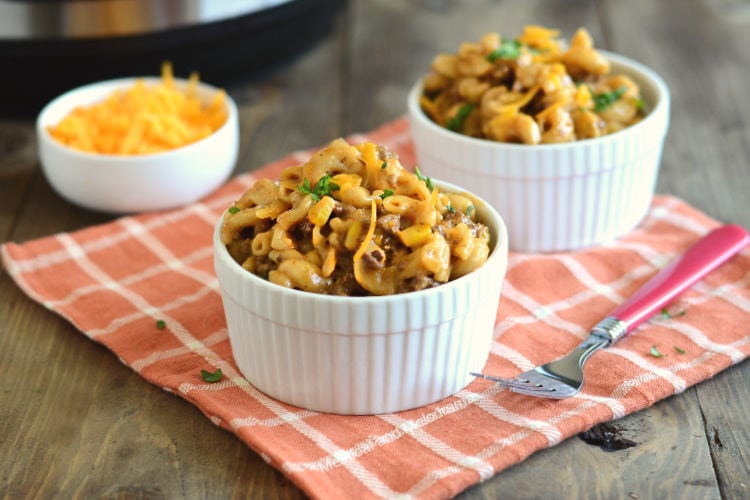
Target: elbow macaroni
353, 221
530, 90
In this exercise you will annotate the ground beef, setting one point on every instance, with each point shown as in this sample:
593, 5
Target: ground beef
302, 233
390, 223
374, 259
247, 233
419, 282
390, 243
343, 283
341, 210
302, 230
457, 218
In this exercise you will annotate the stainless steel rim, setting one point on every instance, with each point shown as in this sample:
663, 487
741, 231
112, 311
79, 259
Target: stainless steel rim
24, 21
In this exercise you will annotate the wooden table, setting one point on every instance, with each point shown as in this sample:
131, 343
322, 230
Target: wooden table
75, 421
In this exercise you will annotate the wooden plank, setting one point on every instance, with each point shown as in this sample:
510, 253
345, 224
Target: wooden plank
702, 54
726, 412
91, 427
575, 469
85, 424
17, 156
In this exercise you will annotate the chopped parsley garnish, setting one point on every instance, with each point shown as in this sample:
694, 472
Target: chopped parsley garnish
234, 209
450, 209
679, 349
508, 49
666, 314
383, 165
322, 188
469, 210
655, 352
211, 377
604, 100
160, 324
457, 121
386, 193
426, 180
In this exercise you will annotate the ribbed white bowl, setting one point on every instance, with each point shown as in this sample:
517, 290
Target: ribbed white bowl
363, 355
557, 197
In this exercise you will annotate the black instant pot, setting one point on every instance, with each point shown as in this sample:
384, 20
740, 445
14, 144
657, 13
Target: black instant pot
47, 47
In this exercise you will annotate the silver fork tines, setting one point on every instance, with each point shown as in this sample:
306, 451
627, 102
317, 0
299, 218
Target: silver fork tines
558, 379
528, 386
505, 382
545, 384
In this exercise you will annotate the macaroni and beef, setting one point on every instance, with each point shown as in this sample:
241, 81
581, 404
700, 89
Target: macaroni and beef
532, 89
353, 221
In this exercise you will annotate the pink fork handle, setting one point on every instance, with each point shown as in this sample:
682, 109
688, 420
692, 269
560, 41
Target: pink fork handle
707, 254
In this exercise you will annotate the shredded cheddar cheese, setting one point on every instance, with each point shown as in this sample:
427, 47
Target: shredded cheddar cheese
368, 236
369, 155
143, 119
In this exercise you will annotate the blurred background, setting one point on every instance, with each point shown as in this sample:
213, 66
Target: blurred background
49, 46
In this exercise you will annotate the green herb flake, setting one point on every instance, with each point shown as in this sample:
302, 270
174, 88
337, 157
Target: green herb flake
469, 210
508, 50
386, 193
679, 350
160, 324
305, 187
384, 165
234, 209
211, 377
450, 209
655, 352
322, 188
666, 314
426, 180
604, 100
325, 186
457, 121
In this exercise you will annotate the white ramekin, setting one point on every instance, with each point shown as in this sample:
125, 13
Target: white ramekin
135, 183
363, 355
557, 197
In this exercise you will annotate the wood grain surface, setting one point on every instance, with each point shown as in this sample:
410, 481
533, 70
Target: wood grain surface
75, 422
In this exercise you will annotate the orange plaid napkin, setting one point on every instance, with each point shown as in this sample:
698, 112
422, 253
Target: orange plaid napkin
115, 281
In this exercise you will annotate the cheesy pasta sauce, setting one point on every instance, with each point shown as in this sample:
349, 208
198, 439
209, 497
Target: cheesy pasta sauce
353, 221
533, 89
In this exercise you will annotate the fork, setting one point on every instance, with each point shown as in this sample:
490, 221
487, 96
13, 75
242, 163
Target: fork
564, 377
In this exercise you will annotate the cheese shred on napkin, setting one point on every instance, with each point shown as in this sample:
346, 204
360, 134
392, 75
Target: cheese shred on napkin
116, 282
